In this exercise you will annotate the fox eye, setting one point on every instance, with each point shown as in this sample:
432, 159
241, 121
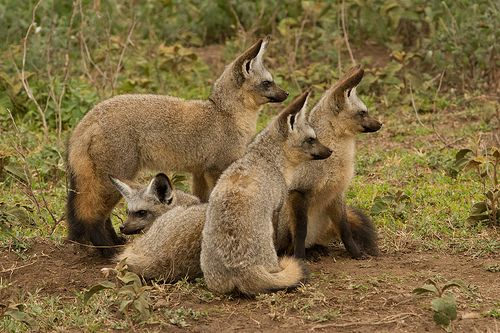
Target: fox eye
311, 140
266, 84
363, 113
141, 213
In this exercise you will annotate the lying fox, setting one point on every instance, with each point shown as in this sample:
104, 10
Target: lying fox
170, 247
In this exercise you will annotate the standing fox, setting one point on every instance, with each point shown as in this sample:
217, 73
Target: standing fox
315, 211
172, 221
237, 243
127, 133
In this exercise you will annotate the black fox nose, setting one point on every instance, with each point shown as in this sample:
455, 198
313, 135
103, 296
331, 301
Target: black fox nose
330, 151
287, 93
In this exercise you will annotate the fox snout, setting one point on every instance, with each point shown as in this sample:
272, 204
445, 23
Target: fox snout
371, 125
321, 153
277, 95
128, 229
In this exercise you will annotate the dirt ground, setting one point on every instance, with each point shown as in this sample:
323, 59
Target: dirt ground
342, 295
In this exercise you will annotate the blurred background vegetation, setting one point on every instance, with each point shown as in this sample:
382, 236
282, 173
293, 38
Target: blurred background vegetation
424, 60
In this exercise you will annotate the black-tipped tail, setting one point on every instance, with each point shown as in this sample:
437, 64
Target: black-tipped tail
100, 234
363, 231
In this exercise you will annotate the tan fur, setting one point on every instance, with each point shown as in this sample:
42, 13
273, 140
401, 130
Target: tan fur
125, 134
237, 243
172, 224
170, 249
336, 119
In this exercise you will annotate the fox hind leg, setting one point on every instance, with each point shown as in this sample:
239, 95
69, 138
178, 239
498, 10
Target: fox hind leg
338, 214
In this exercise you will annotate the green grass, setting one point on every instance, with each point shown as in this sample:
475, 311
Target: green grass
407, 155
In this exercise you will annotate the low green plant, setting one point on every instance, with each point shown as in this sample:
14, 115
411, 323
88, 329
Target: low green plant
485, 164
394, 203
132, 295
17, 312
443, 304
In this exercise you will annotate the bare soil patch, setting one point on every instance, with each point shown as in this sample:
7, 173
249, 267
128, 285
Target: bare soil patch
342, 295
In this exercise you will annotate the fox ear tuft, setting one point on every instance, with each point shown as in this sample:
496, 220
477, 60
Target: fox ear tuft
288, 118
348, 82
123, 188
251, 57
161, 188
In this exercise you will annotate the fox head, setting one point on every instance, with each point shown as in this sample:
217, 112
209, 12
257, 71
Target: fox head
301, 143
347, 113
145, 204
248, 74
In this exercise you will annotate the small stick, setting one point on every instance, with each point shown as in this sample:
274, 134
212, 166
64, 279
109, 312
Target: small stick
344, 32
16, 268
387, 320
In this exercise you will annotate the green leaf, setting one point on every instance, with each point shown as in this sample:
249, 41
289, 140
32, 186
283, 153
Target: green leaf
128, 290
453, 283
481, 217
379, 206
478, 208
426, 288
462, 153
495, 152
16, 312
97, 288
445, 310
124, 305
142, 306
17, 172
129, 277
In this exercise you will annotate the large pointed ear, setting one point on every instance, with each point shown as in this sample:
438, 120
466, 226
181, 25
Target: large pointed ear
288, 118
251, 57
161, 188
348, 82
124, 189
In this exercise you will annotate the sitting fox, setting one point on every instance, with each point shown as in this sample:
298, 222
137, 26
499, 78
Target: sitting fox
125, 134
170, 247
237, 252
315, 211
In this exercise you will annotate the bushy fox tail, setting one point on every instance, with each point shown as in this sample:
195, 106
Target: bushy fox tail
363, 231
259, 280
87, 211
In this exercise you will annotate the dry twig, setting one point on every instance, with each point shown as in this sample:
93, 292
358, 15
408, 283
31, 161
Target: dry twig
387, 320
344, 32
24, 80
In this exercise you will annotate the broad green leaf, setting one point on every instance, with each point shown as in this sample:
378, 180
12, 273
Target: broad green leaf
478, 208
22, 317
426, 288
142, 306
462, 153
445, 309
129, 277
124, 305
97, 288
379, 206
453, 283
481, 217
